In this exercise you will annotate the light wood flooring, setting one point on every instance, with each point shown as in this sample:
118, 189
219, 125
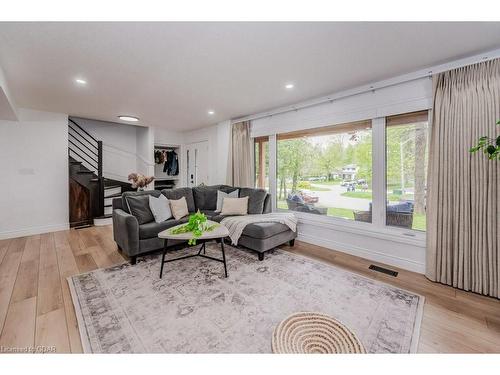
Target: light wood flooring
36, 307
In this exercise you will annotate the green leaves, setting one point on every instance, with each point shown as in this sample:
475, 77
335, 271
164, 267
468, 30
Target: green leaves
491, 149
197, 224
490, 146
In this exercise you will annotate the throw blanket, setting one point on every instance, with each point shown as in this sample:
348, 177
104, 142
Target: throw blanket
236, 224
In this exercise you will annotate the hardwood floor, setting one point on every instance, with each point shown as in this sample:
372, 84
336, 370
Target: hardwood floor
36, 307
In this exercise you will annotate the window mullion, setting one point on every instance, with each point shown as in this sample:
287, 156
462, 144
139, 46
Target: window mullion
272, 170
379, 190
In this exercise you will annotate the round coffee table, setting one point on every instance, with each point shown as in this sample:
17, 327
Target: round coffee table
218, 233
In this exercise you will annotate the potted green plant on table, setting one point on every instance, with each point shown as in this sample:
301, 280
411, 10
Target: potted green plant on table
197, 224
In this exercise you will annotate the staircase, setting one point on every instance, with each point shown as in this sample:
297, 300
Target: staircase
90, 194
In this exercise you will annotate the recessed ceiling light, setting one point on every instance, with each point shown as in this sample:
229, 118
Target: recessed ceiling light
128, 118
211, 112
80, 81
289, 86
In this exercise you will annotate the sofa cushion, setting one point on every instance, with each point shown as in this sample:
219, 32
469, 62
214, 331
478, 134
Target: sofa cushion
227, 188
179, 208
138, 205
264, 230
179, 193
205, 197
256, 198
217, 218
160, 208
221, 195
235, 206
150, 230
209, 213
154, 193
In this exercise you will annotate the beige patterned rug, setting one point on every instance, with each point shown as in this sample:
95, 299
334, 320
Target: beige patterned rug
194, 309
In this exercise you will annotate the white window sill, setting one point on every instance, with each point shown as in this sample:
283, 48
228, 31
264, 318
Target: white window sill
394, 234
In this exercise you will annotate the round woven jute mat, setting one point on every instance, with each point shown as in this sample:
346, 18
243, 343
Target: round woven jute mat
309, 332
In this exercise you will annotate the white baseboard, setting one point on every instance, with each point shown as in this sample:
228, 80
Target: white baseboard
375, 256
33, 230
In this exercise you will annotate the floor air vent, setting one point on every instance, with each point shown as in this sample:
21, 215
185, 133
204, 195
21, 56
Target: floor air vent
383, 270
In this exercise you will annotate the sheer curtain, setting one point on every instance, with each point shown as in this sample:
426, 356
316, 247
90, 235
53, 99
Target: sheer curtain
240, 163
463, 204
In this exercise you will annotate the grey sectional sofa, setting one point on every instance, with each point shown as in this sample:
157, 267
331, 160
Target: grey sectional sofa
137, 234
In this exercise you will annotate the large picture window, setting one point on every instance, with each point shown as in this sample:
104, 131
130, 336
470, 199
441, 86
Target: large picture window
326, 171
406, 169
358, 171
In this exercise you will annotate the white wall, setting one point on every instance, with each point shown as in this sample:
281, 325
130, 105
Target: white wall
222, 151
168, 137
8, 109
34, 174
218, 147
402, 98
144, 148
120, 144
366, 242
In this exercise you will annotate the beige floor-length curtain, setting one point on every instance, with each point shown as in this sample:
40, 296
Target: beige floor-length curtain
463, 205
240, 163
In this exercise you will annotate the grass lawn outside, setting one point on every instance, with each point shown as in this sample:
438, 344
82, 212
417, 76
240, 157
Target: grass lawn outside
332, 182
419, 222
317, 188
344, 213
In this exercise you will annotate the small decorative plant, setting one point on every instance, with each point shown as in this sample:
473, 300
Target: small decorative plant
139, 181
197, 224
490, 146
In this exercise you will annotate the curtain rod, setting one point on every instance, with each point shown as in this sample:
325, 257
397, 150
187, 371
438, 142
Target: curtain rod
414, 76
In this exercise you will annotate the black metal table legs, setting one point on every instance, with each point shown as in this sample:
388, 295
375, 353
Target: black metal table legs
199, 254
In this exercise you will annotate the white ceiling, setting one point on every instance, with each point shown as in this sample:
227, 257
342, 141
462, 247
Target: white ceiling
171, 74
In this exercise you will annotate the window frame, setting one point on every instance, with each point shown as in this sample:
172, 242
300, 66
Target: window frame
377, 228
260, 143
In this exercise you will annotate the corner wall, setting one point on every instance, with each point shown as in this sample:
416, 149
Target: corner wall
34, 174
119, 142
218, 149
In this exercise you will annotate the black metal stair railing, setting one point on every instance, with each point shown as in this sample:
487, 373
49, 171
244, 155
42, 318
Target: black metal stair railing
83, 147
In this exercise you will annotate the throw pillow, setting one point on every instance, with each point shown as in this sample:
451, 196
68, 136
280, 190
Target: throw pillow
138, 205
234, 206
221, 195
160, 207
179, 208
256, 199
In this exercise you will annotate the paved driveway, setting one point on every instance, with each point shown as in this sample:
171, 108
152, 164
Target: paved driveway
333, 198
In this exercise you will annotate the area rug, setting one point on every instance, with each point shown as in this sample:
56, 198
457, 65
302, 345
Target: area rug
195, 309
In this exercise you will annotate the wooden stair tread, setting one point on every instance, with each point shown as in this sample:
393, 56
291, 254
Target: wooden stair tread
113, 195
103, 216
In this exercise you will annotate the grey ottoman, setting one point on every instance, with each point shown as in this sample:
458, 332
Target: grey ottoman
262, 237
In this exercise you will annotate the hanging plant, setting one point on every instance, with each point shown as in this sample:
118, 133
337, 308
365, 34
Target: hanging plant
490, 146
